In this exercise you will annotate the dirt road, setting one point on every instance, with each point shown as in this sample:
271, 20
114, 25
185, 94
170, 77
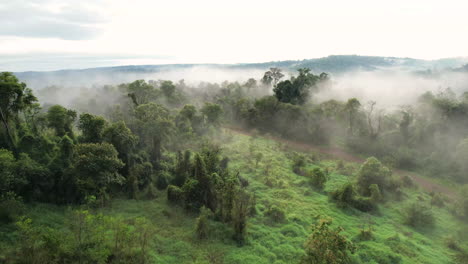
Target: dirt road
424, 183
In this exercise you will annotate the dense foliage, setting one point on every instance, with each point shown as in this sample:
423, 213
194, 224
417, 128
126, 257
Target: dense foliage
165, 141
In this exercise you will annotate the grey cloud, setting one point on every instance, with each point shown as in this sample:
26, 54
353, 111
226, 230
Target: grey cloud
34, 19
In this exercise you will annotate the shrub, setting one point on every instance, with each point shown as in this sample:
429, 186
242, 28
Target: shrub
376, 196
419, 215
162, 180
175, 194
150, 192
365, 234
276, 214
202, 228
437, 200
364, 204
407, 181
326, 245
462, 257
299, 161
318, 178
344, 196
11, 207
372, 172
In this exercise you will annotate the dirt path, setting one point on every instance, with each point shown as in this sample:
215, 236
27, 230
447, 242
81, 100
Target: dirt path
424, 183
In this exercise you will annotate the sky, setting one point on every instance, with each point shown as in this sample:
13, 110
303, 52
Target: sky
71, 34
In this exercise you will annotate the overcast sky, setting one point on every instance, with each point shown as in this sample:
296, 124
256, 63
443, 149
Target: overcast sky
58, 34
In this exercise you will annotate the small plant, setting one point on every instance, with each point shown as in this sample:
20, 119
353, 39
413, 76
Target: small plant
367, 229
452, 243
419, 215
258, 157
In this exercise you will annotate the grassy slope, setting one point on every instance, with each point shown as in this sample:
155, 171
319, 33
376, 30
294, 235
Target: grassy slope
270, 242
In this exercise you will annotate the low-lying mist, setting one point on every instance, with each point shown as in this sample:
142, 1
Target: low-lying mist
390, 88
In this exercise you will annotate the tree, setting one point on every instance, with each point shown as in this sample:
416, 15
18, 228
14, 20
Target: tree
92, 128
9, 181
14, 98
61, 120
297, 89
251, 83
213, 113
327, 246
182, 168
168, 88
156, 125
240, 211
406, 120
122, 138
352, 107
96, 168
272, 76
374, 130
140, 92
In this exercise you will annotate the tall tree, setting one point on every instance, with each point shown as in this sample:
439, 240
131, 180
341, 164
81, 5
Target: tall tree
92, 128
96, 168
352, 107
14, 98
156, 125
61, 120
272, 76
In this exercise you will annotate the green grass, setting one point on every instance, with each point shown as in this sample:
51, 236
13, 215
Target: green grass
269, 242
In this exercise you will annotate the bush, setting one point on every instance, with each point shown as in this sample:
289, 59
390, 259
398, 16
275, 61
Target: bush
372, 172
175, 194
364, 204
318, 178
344, 196
162, 180
437, 200
407, 181
376, 196
276, 214
419, 216
299, 161
150, 192
11, 207
326, 245
202, 228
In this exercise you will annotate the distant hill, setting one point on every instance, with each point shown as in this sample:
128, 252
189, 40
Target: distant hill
335, 64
